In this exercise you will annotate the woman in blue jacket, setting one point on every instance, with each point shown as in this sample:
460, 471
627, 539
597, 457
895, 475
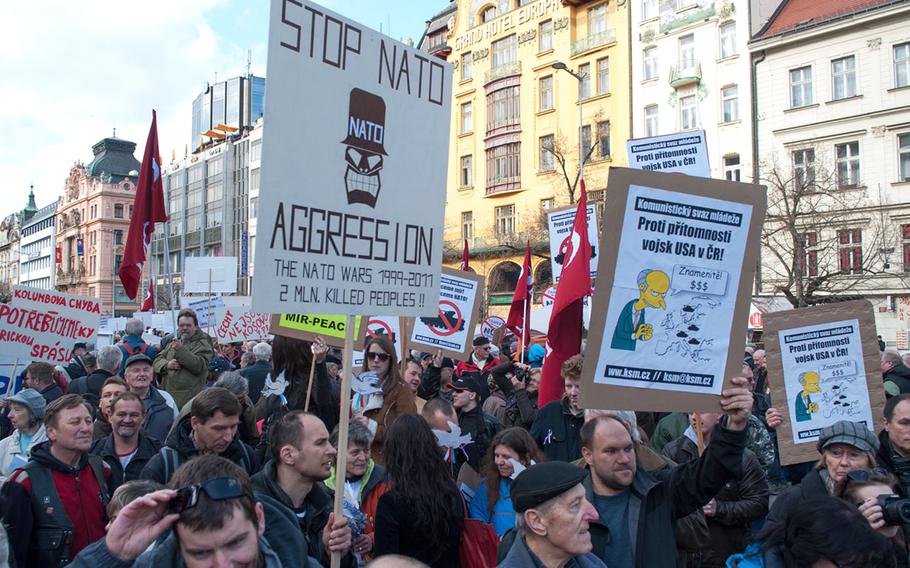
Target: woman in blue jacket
511, 451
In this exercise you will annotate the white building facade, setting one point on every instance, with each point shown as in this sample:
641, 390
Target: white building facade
37, 253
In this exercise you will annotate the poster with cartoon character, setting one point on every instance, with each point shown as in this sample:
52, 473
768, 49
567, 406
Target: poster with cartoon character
825, 360
672, 299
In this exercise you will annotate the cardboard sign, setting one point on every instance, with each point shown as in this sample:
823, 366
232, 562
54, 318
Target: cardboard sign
210, 274
308, 327
452, 327
673, 295
206, 310
682, 152
238, 324
43, 325
560, 222
351, 212
381, 325
825, 367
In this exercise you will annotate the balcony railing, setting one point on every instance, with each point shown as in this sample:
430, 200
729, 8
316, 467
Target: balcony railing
686, 72
502, 71
593, 41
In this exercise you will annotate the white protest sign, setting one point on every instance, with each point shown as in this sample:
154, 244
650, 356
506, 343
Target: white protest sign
560, 225
215, 274
240, 324
389, 326
451, 328
352, 201
683, 152
490, 325
7, 366
204, 308
548, 298
43, 325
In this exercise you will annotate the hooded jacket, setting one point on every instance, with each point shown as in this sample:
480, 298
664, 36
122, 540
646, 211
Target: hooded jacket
185, 382
9, 450
146, 450
558, 432
180, 444
900, 376
26, 516
373, 486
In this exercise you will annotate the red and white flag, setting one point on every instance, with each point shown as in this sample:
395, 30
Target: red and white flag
148, 209
519, 318
566, 319
148, 303
464, 257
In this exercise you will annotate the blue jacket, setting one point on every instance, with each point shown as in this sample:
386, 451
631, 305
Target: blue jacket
520, 556
503, 517
753, 557
135, 344
624, 332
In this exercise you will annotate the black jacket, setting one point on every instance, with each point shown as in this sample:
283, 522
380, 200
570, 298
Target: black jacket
180, 441
888, 459
742, 501
255, 375
557, 431
76, 368
521, 407
90, 387
482, 428
430, 384
811, 487
900, 376
398, 533
104, 448
51, 393
316, 508
159, 417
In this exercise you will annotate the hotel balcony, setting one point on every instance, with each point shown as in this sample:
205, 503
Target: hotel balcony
593, 42
684, 73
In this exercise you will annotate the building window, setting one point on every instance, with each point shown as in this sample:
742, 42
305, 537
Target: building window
467, 225
503, 108
905, 242
584, 85
683, 4
118, 211
256, 150
648, 9
651, 127
603, 75
503, 164
467, 65
505, 220
467, 122
504, 51
800, 87
504, 6
545, 36
687, 114
843, 78
546, 93
903, 142
547, 159
467, 171
687, 51
808, 262
728, 40
488, 14
730, 103
649, 62
731, 167
598, 197
850, 251
804, 167
902, 65
586, 142
847, 157
603, 138
118, 237
546, 204
597, 20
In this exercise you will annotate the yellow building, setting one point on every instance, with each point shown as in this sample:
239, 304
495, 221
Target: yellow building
515, 122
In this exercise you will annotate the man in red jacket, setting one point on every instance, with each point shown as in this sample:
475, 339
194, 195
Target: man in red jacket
54, 506
479, 365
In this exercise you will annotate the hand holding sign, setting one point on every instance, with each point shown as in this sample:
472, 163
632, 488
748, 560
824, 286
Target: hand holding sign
736, 402
320, 349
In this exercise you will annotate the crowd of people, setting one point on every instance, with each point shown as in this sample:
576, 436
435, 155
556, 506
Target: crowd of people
190, 453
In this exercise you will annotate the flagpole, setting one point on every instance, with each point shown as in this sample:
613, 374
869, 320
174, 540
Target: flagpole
170, 274
524, 331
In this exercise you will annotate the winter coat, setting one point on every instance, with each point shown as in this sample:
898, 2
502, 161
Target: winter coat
887, 458
373, 486
89, 387
76, 368
324, 399
521, 557
180, 442
51, 393
79, 493
482, 427
557, 431
135, 346
431, 384
193, 356
521, 409
9, 451
147, 449
741, 502
811, 487
397, 400
255, 375
503, 515
167, 554
398, 533
159, 417
899, 375
512, 407
668, 429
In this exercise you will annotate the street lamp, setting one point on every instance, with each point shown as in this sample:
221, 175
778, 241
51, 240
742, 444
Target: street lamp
560, 66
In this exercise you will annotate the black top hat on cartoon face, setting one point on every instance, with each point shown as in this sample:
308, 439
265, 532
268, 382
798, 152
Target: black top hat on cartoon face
366, 122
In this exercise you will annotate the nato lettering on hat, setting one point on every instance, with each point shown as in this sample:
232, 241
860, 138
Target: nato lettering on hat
365, 147
542, 482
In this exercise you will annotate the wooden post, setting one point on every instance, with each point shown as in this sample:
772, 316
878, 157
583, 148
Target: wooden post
209, 320
309, 388
341, 460
404, 341
698, 432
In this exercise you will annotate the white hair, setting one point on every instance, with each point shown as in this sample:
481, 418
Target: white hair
109, 358
134, 327
262, 351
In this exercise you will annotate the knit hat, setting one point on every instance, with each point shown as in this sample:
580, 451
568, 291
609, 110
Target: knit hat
31, 399
854, 434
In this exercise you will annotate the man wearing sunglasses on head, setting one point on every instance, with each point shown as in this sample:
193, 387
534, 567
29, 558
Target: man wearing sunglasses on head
214, 519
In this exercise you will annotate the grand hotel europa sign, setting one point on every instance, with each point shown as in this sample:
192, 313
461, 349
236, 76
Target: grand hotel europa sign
506, 23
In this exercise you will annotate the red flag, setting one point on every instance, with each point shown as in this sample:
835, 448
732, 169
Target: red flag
564, 333
147, 210
520, 313
148, 303
464, 256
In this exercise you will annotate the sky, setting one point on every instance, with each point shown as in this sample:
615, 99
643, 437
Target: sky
72, 72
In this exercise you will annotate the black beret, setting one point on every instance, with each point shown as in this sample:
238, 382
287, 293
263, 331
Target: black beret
481, 340
542, 482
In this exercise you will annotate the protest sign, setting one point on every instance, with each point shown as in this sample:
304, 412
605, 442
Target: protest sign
389, 326
241, 324
826, 367
210, 274
458, 305
308, 327
351, 214
490, 326
11, 374
673, 295
43, 325
560, 222
682, 152
205, 308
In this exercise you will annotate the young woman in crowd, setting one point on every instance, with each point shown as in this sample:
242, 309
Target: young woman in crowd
492, 503
422, 514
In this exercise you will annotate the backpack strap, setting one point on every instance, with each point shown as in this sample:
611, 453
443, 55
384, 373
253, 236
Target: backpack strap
97, 465
171, 462
44, 492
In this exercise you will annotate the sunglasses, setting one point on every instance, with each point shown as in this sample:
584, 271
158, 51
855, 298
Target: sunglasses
378, 356
218, 489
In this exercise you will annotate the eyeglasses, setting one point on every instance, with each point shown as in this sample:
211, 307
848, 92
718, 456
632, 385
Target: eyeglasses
377, 356
218, 489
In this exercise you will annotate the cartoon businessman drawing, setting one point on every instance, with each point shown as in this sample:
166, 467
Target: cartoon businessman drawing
631, 326
805, 408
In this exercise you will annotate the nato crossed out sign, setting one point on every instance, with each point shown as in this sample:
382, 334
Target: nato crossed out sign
449, 322
549, 296
378, 327
490, 325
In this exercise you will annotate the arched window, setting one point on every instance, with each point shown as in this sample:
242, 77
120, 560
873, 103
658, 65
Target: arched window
488, 14
502, 281
543, 278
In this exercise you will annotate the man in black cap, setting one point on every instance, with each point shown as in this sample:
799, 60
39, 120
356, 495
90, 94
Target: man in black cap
77, 367
481, 360
552, 518
472, 419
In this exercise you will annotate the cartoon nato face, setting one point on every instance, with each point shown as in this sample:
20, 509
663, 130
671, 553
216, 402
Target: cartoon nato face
653, 285
365, 147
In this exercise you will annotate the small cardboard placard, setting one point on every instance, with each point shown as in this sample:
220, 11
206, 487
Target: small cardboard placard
308, 327
824, 366
559, 224
678, 256
451, 329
